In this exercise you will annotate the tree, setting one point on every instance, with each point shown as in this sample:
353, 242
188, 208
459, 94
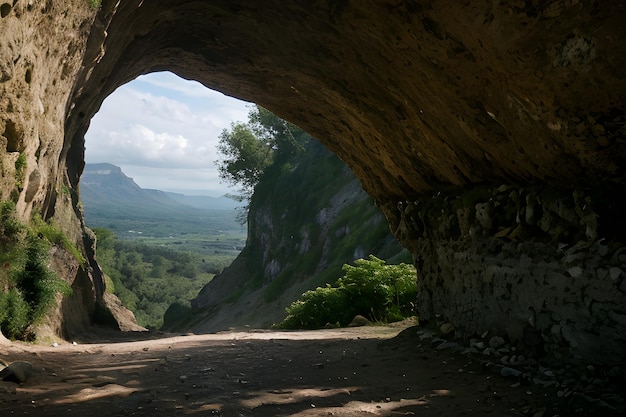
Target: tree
250, 148
285, 138
246, 157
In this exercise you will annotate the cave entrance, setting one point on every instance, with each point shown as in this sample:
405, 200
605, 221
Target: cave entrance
152, 193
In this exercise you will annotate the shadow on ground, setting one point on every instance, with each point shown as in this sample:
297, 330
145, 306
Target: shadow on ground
344, 372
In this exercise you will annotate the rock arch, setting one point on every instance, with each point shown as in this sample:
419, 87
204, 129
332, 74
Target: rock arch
492, 136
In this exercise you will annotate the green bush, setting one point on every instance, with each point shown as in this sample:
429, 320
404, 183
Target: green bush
31, 288
371, 288
38, 284
318, 307
10, 226
14, 314
20, 169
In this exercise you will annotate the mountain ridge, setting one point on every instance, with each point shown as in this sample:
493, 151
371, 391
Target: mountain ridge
106, 185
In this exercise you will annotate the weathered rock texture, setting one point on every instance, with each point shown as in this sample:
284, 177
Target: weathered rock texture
417, 97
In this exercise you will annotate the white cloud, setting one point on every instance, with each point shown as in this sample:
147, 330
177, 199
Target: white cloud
164, 130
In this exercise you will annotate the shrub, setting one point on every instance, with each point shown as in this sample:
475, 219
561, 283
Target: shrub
10, 226
318, 307
14, 314
20, 169
32, 286
375, 288
371, 288
39, 285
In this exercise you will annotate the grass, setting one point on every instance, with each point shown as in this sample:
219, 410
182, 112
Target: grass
56, 236
20, 169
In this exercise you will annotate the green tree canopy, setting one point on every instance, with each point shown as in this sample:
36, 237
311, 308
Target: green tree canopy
248, 149
245, 158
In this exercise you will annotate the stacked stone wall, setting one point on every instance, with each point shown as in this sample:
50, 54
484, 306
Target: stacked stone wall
536, 265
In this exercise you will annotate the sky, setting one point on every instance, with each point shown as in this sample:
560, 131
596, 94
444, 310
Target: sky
162, 131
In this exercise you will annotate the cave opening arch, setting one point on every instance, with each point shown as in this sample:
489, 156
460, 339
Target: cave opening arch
415, 98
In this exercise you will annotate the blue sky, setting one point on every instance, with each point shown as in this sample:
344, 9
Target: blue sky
162, 131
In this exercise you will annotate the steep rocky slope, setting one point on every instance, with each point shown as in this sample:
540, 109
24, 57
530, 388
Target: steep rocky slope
304, 224
490, 134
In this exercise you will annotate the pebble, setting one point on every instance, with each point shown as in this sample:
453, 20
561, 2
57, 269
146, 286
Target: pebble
479, 345
615, 273
543, 382
491, 352
447, 345
436, 340
446, 328
467, 351
510, 372
426, 335
496, 341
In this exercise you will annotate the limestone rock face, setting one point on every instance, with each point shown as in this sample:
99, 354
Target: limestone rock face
421, 99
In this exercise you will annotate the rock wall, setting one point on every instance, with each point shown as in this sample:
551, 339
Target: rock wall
305, 223
417, 97
527, 263
42, 48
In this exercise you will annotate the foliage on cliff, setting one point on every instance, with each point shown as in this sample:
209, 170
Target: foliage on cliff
248, 150
28, 288
370, 288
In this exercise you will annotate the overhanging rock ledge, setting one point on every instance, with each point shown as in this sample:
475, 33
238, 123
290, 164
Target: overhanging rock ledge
491, 135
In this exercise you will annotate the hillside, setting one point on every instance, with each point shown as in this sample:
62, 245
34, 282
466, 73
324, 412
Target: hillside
306, 220
162, 250
114, 201
104, 186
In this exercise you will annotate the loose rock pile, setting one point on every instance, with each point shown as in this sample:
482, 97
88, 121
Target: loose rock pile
583, 389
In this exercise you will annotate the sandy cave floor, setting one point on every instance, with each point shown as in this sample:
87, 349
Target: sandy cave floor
373, 370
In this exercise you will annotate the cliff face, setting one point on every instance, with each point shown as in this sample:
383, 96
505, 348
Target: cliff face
428, 103
305, 223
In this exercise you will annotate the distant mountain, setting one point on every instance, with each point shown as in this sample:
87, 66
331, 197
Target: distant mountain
205, 202
113, 200
105, 185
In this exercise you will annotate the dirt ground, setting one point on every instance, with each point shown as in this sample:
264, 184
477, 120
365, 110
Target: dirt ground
373, 370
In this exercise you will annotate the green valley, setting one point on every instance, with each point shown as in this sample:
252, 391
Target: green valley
157, 248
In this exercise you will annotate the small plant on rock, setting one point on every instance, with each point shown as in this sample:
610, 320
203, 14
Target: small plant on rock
94, 4
20, 169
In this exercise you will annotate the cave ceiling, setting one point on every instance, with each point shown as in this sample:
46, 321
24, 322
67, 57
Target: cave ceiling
411, 95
